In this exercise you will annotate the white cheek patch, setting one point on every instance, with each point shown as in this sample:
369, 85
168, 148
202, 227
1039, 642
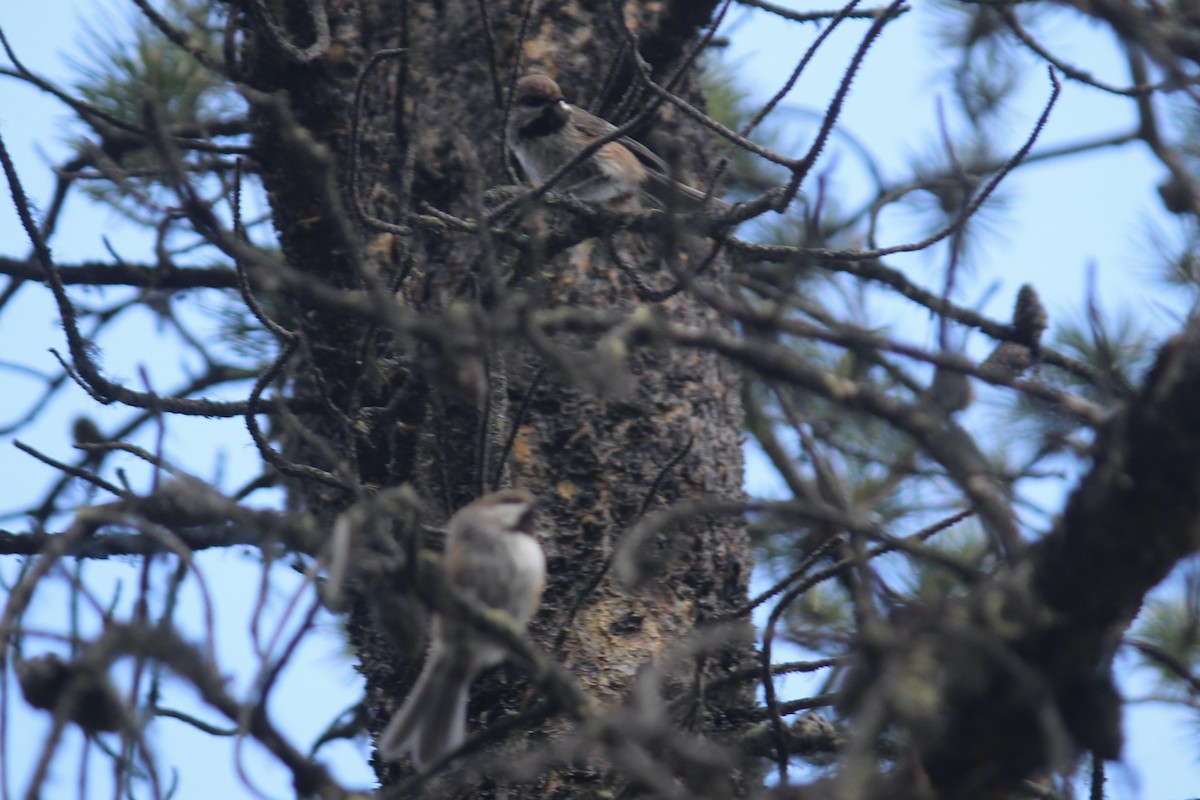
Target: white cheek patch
530, 564
530, 168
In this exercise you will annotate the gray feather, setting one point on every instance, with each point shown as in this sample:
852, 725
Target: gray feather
431, 723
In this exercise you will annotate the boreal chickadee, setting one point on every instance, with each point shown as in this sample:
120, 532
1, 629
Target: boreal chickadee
545, 132
492, 555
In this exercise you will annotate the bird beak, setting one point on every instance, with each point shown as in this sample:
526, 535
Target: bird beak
525, 523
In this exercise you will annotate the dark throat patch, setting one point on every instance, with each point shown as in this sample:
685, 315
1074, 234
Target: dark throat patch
551, 120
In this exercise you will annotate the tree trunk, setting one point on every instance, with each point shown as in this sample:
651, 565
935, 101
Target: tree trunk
601, 430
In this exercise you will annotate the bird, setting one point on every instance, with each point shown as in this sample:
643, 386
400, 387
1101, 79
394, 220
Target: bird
545, 132
492, 555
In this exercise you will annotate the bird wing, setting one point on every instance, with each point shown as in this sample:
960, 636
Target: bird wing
661, 186
645, 155
594, 127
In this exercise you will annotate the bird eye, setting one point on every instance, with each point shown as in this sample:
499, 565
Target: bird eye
532, 100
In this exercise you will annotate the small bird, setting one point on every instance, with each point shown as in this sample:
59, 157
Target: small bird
493, 555
545, 132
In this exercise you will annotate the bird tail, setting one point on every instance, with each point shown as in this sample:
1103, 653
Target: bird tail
432, 721
677, 196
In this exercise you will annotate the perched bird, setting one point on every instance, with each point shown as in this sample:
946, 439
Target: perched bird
493, 555
545, 132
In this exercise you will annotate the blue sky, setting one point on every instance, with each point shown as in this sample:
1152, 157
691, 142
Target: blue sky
1078, 215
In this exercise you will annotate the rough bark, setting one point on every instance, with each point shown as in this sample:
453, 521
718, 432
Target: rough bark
603, 435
